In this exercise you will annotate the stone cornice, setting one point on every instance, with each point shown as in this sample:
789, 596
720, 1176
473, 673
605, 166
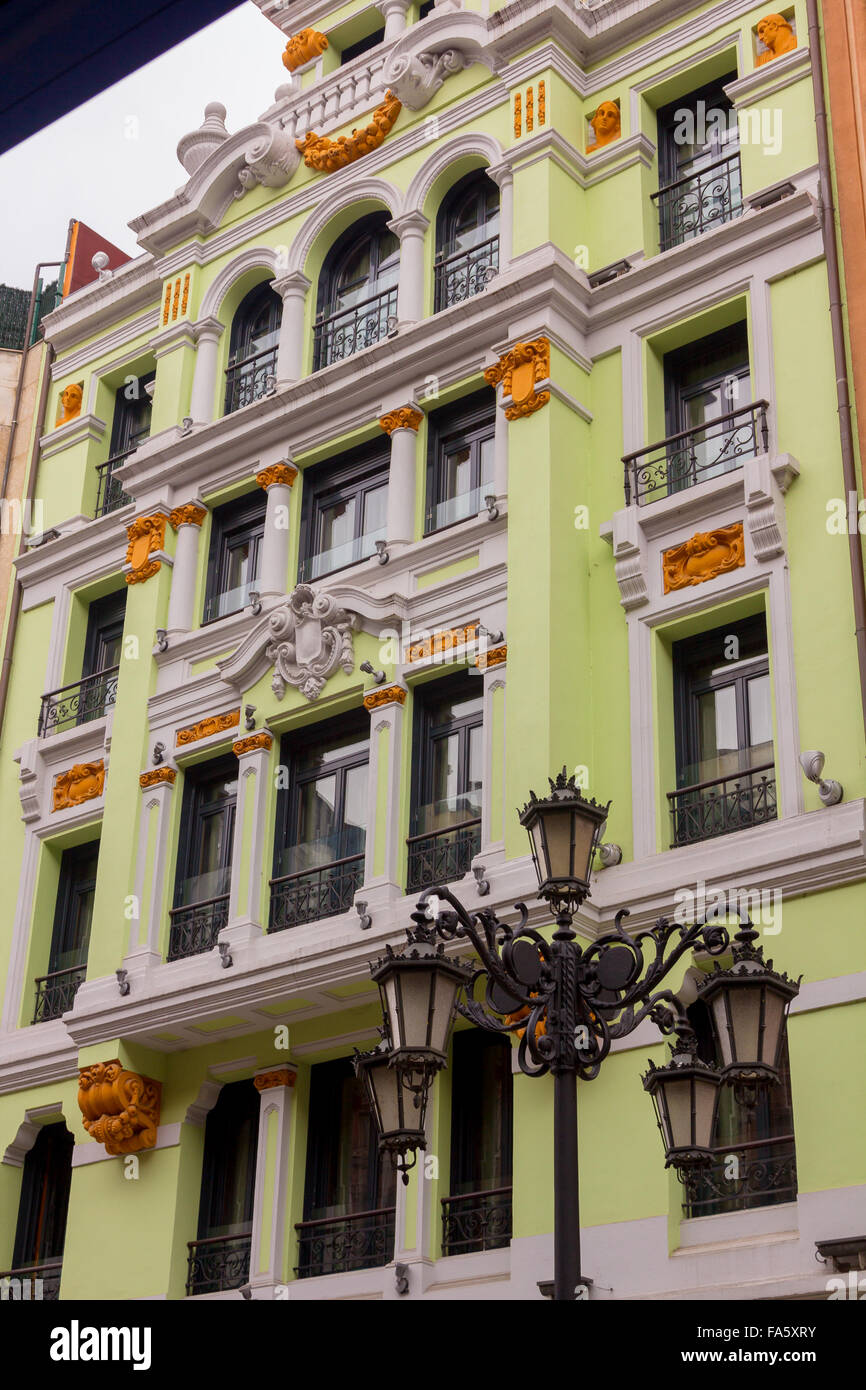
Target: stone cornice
76, 431
767, 81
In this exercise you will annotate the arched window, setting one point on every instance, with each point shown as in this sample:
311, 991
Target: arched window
357, 302
41, 1229
253, 347
467, 240
220, 1257
754, 1163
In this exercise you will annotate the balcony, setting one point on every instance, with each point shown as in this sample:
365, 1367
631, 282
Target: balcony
218, 1263
231, 601
55, 992
699, 202
767, 1177
250, 379
200, 915
308, 895
338, 557
476, 1221
110, 496
446, 837
335, 1245
465, 273
78, 703
696, 455
32, 1283
337, 336
718, 807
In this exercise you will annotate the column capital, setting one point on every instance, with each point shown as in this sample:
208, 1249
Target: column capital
279, 1076
393, 6
260, 742
409, 224
189, 514
277, 474
157, 776
296, 282
406, 417
502, 174
208, 330
385, 695
495, 656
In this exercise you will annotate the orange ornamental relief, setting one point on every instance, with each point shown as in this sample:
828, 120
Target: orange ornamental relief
775, 33
442, 642
214, 724
282, 473
705, 556
308, 44
519, 371
406, 418
387, 695
188, 515
252, 744
156, 776
497, 656
327, 155
146, 534
268, 1080
120, 1108
80, 783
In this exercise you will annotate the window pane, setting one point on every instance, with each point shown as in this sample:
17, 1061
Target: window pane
458, 472
337, 524
760, 720
475, 758
375, 512
355, 811
316, 809
238, 564
446, 752
485, 451
717, 733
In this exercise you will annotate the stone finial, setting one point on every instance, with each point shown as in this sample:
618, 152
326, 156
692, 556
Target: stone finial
194, 148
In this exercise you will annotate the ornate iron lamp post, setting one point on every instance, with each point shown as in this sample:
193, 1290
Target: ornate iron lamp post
569, 1004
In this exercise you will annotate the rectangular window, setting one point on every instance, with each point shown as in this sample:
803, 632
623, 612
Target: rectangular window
354, 50
204, 863
234, 559
70, 937
220, 1257
707, 386
130, 426
477, 1214
445, 830
349, 1194
42, 1208
700, 186
92, 696
460, 460
344, 512
321, 824
724, 734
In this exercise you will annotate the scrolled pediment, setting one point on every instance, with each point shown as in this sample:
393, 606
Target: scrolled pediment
420, 62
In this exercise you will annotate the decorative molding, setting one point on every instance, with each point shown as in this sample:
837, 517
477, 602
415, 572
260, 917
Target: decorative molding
80, 783
443, 641
310, 636
213, 724
303, 48
326, 155
270, 159
190, 514
406, 418
175, 298
252, 744
387, 695
415, 78
120, 1108
268, 1080
496, 656
519, 371
156, 776
277, 473
145, 535
706, 555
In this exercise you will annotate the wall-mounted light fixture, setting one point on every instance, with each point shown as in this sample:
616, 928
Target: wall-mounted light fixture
369, 669
255, 602
492, 509
123, 985
812, 763
366, 920
161, 640
494, 637
186, 424
382, 552
249, 718
481, 883
610, 855
225, 954
156, 755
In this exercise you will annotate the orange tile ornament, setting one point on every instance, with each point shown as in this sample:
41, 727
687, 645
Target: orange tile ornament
706, 555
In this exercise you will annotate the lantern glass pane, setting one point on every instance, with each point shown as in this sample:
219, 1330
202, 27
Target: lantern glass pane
774, 1015
536, 835
415, 995
678, 1096
388, 991
745, 1006
559, 861
445, 995
706, 1093
720, 1022
584, 835
386, 1087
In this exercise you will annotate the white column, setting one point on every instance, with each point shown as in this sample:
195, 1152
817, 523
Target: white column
276, 1107
491, 664
277, 482
145, 928
402, 425
410, 228
290, 352
248, 849
385, 705
395, 17
201, 406
503, 176
187, 522
500, 449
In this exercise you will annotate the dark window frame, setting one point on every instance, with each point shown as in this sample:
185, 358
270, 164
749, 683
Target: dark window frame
43, 1203
237, 1101
705, 351
469, 422
426, 733
468, 1046
350, 475
689, 654
372, 228
125, 435
70, 889
316, 736
324, 1128
105, 620
713, 95
232, 525
354, 50
258, 315
194, 813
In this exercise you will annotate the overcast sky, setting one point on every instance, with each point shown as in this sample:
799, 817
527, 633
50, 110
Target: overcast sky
114, 157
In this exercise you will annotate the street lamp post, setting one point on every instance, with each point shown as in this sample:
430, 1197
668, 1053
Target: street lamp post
568, 1004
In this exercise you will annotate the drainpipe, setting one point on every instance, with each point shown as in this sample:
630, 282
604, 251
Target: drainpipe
840, 361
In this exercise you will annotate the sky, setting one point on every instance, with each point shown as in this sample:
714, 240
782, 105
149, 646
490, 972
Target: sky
115, 157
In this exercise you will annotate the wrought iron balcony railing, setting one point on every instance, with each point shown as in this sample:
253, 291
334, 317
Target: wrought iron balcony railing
110, 496
250, 379
323, 891
339, 335
465, 273
32, 1283
737, 802
476, 1221
699, 202
56, 992
217, 1263
335, 1245
195, 927
78, 703
694, 456
766, 1175
442, 855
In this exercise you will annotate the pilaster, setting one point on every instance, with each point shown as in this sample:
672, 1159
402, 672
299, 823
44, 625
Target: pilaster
386, 707
270, 1200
